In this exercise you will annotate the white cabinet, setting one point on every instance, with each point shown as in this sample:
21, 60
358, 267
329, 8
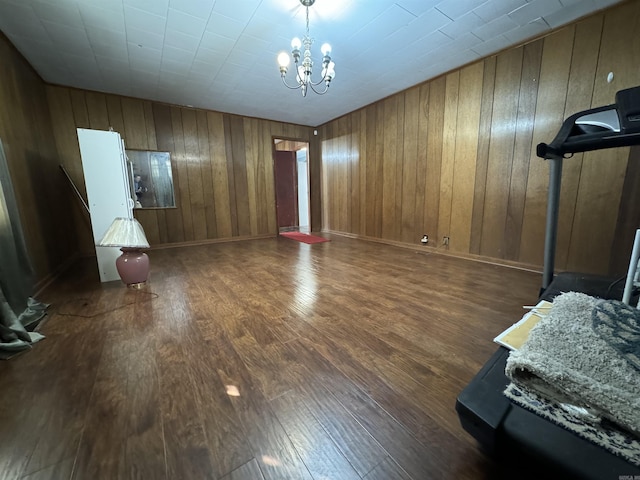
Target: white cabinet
106, 177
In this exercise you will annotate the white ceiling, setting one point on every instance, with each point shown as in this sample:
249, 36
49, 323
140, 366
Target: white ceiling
221, 54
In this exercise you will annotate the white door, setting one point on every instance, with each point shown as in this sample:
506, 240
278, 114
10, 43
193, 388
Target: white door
303, 191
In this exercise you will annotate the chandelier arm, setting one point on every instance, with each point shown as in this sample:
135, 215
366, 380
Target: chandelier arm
312, 85
289, 86
319, 81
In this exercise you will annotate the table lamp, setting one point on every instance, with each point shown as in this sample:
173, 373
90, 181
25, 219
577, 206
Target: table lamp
133, 264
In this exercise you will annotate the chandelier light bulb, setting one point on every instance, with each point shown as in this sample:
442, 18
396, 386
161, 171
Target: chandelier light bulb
296, 43
283, 59
325, 49
331, 71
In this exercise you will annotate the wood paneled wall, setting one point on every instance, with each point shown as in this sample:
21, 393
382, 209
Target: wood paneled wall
44, 199
455, 156
222, 164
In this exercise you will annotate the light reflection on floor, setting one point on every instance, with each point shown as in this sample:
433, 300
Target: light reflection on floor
232, 390
271, 461
306, 284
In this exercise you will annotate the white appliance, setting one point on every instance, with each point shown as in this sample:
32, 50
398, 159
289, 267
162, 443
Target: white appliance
106, 177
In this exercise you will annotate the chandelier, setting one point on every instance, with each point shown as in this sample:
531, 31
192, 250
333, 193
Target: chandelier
304, 69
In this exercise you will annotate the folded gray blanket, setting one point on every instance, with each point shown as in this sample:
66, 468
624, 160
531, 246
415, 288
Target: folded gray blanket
585, 352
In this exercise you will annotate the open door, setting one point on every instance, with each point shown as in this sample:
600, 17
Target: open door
286, 190
292, 185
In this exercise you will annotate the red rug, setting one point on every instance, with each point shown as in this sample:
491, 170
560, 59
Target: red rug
304, 237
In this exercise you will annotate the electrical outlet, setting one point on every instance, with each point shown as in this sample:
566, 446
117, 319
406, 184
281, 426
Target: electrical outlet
445, 240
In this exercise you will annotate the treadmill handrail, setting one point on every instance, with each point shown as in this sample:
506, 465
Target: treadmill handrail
627, 108
563, 143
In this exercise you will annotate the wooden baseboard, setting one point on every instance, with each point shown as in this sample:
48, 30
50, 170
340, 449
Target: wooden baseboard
441, 251
211, 241
43, 283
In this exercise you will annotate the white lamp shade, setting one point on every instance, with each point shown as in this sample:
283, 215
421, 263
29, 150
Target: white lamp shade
124, 232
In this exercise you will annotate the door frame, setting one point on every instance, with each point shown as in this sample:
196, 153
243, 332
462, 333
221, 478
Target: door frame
297, 144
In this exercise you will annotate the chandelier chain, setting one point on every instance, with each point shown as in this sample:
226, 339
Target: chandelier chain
307, 22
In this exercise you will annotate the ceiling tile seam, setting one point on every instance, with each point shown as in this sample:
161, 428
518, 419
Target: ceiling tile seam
406, 10
436, 8
42, 24
156, 81
215, 75
93, 50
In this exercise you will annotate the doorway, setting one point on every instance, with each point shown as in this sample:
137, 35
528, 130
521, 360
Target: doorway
291, 172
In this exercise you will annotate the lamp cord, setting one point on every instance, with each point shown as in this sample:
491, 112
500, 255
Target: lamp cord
86, 303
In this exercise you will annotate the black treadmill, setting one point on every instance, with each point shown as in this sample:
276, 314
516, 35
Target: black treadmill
506, 431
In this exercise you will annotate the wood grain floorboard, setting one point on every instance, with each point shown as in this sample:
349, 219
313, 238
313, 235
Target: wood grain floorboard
144, 450
186, 446
65, 397
354, 441
320, 454
260, 360
387, 470
224, 432
58, 471
102, 450
272, 447
248, 471
393, 422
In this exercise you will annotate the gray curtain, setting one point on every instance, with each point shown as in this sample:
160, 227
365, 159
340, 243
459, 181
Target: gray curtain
19, 313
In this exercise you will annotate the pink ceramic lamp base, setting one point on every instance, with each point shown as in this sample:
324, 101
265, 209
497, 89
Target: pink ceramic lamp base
133, 267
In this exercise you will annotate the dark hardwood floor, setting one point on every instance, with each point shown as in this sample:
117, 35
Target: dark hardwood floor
262, 359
